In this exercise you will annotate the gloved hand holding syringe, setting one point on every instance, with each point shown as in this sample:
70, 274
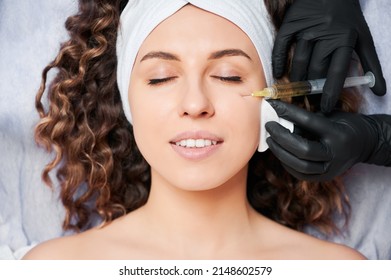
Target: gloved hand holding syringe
278, 91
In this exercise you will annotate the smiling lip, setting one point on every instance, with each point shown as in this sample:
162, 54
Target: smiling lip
196, 145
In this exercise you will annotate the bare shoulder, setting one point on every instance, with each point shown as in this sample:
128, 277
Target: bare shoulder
317, 249
333, 251
75, 247
102, 242
291, 244
61, 248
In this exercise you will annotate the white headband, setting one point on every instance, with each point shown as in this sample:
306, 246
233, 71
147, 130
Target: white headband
140, 17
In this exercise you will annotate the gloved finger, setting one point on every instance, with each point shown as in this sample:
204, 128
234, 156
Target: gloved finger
301, 60
296, 145
370, 62
320, 61
281, 48
294, 163
336, 76
320, 177
309, 121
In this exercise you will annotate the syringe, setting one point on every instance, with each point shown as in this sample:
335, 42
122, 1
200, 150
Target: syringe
277, 91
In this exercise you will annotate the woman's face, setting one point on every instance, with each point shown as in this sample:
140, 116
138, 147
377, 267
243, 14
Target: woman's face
191, 122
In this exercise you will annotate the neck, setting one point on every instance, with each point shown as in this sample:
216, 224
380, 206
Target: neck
207, 221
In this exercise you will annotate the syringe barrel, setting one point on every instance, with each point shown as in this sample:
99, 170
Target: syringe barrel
291, 89
315, 86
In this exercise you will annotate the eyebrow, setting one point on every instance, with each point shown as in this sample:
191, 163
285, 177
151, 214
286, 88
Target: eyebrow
228, 52
161, 55
214, 55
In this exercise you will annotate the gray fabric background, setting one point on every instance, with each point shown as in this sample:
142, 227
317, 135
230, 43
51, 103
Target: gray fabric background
30, 33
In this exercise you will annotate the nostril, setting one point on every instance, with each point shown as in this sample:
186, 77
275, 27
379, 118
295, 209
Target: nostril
203, 114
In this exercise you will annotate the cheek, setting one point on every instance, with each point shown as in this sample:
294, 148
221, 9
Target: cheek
149, 119
250, 124
144, 105
142, 116
243, 114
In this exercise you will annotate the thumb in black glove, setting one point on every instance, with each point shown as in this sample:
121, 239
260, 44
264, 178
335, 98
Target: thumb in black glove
341, 140
326, 32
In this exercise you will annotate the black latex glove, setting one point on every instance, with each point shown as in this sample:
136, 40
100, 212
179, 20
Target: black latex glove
326, 32
341, 140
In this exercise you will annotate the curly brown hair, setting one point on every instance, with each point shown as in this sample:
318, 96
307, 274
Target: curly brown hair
97, 162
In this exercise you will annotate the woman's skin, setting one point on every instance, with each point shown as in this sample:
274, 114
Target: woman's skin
187, 83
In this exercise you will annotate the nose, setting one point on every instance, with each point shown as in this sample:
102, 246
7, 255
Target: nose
196, 103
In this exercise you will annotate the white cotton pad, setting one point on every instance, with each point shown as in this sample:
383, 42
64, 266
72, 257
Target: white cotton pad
269, 114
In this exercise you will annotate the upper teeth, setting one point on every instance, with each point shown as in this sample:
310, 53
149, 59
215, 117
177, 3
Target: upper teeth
198, 143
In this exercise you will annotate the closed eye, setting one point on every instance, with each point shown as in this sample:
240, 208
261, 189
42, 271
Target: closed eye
153, 82
232, 79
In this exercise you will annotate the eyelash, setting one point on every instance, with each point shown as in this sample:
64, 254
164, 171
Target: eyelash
154, 82
232, 79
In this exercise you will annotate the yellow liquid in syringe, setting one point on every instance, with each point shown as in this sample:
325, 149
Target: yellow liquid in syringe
277, 91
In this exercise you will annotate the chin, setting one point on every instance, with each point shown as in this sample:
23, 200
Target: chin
205, 180
198, 183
